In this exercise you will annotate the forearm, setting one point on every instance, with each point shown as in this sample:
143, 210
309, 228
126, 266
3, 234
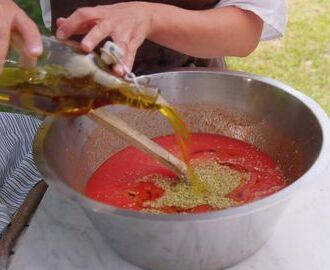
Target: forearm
227, 31
205, 34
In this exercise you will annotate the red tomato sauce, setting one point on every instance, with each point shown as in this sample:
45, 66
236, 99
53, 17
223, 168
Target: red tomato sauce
115, 181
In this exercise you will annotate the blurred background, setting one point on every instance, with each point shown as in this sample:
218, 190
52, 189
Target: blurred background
301, 58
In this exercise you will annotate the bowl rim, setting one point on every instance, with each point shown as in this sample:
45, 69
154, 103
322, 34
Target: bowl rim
315, 170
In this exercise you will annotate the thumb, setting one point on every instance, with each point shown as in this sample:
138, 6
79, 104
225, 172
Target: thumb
30, 34
26, 60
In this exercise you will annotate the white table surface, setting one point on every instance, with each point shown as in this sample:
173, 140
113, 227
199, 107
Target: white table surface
61, 237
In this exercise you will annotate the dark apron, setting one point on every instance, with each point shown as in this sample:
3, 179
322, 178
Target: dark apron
150, 57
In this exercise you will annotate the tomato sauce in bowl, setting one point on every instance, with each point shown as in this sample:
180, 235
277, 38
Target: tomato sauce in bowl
234, 173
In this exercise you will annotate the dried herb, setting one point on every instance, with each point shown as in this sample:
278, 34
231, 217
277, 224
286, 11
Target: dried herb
218, 180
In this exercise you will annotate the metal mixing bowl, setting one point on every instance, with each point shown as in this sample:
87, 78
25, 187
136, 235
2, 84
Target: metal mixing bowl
289, 126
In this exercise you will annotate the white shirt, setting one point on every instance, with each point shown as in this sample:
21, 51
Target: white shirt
272, 12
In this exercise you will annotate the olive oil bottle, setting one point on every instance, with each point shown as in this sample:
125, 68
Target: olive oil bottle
47, 90
66, 82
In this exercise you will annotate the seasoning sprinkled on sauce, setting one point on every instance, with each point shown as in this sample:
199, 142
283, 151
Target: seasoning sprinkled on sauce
218, 181
232, 172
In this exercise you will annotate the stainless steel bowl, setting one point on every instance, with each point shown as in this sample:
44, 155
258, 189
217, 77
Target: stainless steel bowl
286, 124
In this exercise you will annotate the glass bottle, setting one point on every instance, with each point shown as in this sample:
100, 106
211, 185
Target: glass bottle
66, 82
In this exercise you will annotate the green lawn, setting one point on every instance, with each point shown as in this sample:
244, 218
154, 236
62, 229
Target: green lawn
301, 59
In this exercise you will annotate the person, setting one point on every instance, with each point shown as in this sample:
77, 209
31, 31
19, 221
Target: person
154, 35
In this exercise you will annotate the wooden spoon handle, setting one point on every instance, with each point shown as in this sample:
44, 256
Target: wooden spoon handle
136, 138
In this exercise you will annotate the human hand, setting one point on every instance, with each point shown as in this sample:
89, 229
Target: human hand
128, 24
14, 19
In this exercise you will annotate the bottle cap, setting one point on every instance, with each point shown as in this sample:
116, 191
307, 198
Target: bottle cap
111, 53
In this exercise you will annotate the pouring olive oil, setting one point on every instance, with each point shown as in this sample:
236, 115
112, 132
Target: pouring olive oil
48, 90
63, 87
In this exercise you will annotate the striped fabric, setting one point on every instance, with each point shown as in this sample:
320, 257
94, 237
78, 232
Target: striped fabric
18, 173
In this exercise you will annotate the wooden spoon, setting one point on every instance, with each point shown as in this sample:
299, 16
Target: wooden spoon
139, 140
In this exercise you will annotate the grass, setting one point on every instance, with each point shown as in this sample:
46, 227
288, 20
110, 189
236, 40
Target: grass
300, 59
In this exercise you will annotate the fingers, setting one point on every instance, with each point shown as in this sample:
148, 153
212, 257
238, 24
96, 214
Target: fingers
30, 34
100, 23
4, 44
98, 33
129, 48
82, 29
131, 53
118, 68
129, 45
76, 23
